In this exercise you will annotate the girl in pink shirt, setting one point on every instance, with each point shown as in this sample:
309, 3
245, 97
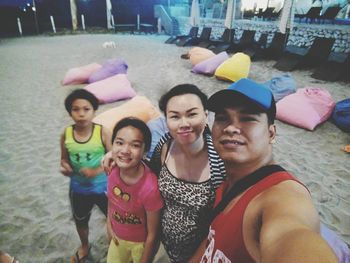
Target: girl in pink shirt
134, 201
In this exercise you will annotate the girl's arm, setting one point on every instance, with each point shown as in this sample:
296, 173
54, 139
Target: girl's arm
65, 168
153, 223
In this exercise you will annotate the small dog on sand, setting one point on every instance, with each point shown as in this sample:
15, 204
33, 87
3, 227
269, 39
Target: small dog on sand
109, 44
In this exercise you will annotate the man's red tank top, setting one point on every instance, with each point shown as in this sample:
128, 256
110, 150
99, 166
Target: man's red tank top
225, 240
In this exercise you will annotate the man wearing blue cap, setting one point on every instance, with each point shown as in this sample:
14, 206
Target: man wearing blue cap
262, 213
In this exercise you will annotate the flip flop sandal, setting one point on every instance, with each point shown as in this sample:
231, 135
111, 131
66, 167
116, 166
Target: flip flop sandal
82, 259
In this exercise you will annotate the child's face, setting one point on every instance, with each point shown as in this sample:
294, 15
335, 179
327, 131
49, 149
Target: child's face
128, 147
82, 112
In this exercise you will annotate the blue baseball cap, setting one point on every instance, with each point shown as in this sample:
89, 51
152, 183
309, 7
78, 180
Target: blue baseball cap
245, 92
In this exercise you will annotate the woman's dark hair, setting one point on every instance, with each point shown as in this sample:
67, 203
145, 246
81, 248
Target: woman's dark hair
182, 89
80, 94
138, 124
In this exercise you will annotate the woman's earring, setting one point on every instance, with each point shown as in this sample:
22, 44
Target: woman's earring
273, 141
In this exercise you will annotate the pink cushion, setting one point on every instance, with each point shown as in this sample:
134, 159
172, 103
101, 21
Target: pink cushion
111, 89
199, 54
209, 65
110, 68
306, 108
80, 75
139, 107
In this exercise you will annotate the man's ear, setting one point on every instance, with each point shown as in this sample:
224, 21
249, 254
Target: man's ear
272, 133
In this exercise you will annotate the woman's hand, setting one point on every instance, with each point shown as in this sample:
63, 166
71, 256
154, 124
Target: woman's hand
107, 162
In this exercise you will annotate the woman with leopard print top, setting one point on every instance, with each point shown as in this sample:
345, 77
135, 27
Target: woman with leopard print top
188, 169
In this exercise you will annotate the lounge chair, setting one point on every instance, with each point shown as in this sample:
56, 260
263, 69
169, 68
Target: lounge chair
190, 41
337, 67
312, 14
193, 33
275, 49
330, 14
257, 45
224, 43
295, 57
246, 41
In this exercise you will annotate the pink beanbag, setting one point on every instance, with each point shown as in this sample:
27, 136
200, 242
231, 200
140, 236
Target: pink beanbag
112, 89
80, 75
306, 108
209, 65
110, 68
139, 107
199, 54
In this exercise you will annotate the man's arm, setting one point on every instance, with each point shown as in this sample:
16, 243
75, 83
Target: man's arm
290, 227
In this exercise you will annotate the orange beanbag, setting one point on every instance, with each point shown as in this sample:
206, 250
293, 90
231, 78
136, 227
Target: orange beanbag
139, 107
199, 54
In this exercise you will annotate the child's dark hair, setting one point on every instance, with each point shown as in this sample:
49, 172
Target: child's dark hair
138, 124
182, 89
80, 94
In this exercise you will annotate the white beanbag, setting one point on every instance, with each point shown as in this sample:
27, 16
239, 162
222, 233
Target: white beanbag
139, 107
114, 88
80, 75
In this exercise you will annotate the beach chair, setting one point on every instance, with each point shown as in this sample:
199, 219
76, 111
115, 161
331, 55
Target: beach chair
204, 36
313, 14
224, 43
257, 45
267, 14
295, 57
275, 49
330, 14
192, 33
204, 39
246, 41
337, 67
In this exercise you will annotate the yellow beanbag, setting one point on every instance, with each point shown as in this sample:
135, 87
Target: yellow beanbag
139, 107
199, 54
234, 68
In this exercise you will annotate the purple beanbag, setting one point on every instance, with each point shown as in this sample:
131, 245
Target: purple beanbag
111, 89
209, 65
110, 68
306, 108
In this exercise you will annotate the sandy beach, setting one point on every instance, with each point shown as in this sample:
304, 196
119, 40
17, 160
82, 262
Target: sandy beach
35, 217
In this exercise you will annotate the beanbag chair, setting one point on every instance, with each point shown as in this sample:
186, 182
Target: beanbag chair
306, 108
234, 68
209, 65
281, 86
158, 128
80, 75
339, 246
110, 68
341, 115
139, 107
199, 54
112, 89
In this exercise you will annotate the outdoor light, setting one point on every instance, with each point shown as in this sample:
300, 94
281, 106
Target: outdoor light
33, 8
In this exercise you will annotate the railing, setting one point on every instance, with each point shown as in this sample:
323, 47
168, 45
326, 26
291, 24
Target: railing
166, 19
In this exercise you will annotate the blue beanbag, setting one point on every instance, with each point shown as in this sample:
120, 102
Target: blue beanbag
281, 86
341, 115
